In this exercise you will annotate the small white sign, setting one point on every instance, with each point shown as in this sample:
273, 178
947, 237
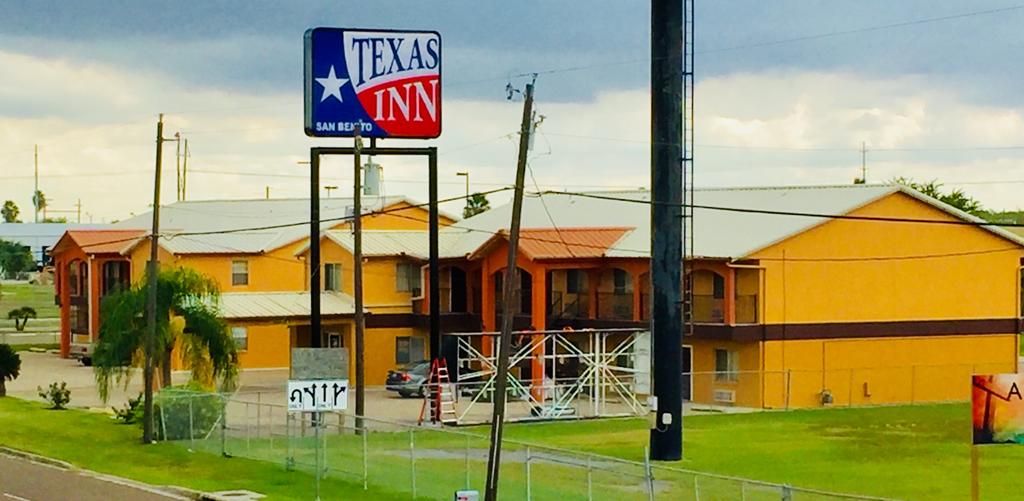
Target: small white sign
317, 395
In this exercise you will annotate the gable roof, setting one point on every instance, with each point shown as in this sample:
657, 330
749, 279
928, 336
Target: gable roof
717, 233
249, 226
561, 243
98, 241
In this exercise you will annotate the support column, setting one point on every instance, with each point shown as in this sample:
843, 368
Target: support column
729, 302
539, 320
638, 314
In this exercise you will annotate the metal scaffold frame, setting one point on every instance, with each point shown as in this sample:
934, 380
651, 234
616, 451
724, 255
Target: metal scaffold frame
593, 373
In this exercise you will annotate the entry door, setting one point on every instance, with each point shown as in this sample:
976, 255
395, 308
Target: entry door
687, 373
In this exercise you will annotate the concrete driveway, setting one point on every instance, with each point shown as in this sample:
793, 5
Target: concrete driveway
266, 386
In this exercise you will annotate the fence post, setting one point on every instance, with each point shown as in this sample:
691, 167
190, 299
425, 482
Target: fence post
191, 428
696, 487
247, 445
529, 486
271, 419
259, 413
590, 480
366, 471
223, 426
467, 463
412, 460
787, 493
743, 491
789, 386
648, 474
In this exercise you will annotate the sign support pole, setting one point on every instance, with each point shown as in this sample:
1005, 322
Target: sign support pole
314, 248
435, 281
357, 277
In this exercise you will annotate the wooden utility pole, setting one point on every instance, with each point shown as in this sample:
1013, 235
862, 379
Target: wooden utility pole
177, 163
508, 293
151, 275
863, 162
667, 265
184, 171
357, 277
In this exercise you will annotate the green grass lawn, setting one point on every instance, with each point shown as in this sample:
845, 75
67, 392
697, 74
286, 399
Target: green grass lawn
93, 441
26, 347
911, 452
39, 297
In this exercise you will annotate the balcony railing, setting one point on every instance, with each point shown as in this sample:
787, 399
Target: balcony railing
615, 306
706, 308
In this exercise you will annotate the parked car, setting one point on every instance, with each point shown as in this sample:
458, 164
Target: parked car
409, 380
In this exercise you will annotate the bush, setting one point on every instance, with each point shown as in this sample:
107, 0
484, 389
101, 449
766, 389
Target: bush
58, 396
21, 316
173, 406
131, 412
10, 367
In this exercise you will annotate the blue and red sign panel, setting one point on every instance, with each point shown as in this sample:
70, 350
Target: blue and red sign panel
388, 83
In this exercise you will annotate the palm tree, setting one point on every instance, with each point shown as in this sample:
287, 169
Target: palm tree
10, 366
186, 317
476, 204
21, 316
10, 211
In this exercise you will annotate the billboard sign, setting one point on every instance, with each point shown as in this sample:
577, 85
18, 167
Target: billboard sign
997, 406
386, 82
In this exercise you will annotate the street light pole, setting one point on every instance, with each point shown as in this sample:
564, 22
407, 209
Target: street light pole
465, 175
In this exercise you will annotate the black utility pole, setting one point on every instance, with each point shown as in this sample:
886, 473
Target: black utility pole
666, 225
508, 293
153, 270
314, 248
435, 287
357, 277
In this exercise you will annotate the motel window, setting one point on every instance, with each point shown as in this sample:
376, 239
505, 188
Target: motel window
332, 277
408, 349
73, 278
407, 278
241, 337
1022, 292
573, 281
116, 276
727, 365
620, 280
718, 283
240, 273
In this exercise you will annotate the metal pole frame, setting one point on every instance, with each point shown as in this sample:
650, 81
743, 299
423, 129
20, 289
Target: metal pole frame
434, 291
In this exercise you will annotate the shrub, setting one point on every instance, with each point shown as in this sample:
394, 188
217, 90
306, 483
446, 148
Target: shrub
10, 367
57, 395
173, 406
131, 412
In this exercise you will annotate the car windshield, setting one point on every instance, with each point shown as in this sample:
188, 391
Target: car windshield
418, 368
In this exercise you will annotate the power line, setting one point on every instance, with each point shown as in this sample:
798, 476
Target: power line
848, 217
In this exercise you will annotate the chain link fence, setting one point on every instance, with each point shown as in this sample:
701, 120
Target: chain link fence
433, 463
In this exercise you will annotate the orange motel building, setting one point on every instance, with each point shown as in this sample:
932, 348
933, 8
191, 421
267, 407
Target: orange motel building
785, 311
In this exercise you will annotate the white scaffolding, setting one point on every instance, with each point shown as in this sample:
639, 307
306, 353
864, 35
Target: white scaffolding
587, 373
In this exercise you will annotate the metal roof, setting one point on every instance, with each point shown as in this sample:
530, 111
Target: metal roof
561, 243
260, 305
249, 226
98, 241
412, 243
717, 233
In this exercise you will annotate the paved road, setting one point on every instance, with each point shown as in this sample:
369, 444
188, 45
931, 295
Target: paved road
22, 480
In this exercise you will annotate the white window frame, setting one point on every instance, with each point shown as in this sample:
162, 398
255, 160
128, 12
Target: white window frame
328, 267
235, 330
731, 374
405, 273
245, 263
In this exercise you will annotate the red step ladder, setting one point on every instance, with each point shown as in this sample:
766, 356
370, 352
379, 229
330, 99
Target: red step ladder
440, 395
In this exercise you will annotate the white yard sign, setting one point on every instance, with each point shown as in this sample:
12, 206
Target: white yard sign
317, 395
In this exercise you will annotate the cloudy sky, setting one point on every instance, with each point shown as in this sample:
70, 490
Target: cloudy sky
786, 93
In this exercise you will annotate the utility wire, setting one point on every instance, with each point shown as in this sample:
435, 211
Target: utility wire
792, 213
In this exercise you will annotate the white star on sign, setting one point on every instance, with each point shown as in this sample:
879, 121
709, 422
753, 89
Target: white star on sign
332, 86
